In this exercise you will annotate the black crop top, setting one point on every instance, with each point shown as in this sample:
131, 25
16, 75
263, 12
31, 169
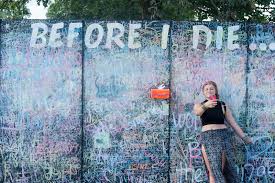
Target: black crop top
213, 115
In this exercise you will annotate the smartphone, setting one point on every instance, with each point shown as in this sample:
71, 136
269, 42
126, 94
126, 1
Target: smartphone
213, 97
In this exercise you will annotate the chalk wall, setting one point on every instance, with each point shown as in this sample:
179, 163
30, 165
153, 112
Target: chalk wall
75, 103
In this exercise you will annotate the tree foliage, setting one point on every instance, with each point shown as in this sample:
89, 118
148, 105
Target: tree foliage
17, 9
233, 10
218, 10
13, 9
116, 9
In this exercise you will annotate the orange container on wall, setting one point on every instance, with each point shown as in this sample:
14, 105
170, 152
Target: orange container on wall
160, 93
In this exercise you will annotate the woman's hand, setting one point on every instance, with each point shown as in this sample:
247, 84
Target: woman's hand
210, 103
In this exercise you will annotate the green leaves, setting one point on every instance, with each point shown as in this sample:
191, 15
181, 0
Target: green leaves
13, 9
218, 10
121, 9
44, 2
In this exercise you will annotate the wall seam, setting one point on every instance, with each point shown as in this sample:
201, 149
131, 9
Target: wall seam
170, 99
82, 101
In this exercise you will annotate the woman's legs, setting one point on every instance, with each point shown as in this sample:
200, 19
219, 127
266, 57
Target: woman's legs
212, 150
231, 165
207, 163
218, 155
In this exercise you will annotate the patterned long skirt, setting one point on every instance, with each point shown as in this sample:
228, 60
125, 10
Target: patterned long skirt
216, 142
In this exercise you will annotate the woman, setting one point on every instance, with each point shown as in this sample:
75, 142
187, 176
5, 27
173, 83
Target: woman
215, 136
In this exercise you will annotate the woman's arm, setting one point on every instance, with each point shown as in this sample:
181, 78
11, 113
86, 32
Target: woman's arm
199, 109
230, 119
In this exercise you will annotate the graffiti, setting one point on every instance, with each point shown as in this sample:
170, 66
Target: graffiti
118, 105
215, 59
75, 106
219, 36
40, 30
40, 106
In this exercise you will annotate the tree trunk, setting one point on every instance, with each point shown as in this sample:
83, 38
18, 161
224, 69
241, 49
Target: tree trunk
145, 5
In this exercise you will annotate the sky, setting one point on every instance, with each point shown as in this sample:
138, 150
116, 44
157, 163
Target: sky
37, 12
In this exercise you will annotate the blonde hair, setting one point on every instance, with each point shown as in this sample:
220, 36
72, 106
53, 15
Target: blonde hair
213, 84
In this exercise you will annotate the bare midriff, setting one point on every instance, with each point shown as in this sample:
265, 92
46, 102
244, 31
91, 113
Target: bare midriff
213, 127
